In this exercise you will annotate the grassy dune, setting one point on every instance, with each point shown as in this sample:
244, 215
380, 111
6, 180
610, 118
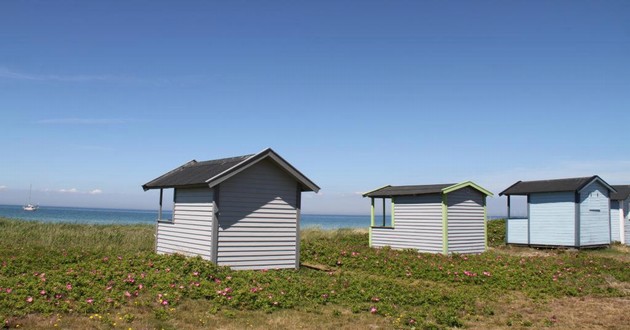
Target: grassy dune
105, 276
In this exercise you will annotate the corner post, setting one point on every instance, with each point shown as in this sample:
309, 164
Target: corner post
371, 221
393, 211
383, 211
529, 221
444, 224
577, 219
507, 221
298, 202
160, 210
485, 223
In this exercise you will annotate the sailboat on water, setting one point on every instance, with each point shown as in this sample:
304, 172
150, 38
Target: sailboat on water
29, 206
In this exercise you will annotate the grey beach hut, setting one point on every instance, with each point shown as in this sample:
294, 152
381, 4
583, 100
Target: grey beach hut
242, 212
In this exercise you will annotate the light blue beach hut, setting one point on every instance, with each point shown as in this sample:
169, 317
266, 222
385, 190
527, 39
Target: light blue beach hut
620, 214
573, 212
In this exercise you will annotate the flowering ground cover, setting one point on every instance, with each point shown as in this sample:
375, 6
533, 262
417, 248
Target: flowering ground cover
77, 276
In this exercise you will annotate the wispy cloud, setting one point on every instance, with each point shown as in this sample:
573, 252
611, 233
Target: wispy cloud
10, 74
70, 191
84, 121
3, 188
95, 192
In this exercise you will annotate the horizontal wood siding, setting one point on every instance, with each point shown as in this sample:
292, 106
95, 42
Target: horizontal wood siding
516, 231
552, 218
258, 219
190, 232
466, 227
418, 225
594, 215
626, 222
615, 212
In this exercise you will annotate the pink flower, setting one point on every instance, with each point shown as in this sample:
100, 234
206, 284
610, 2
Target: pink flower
195, 273
127, 294
412, 321
164, 302
43, 292
68, 286
89, 300
373, 310
29, 299
58, 296
325, 296
487, 274
376, 299
9, 290
228, 278
140, 286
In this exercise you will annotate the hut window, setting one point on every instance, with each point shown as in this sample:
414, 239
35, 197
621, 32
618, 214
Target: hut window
381, 216
593, 205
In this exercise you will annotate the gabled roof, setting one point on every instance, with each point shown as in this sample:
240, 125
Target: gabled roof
557, 185
389, 191
623, 192
212, 172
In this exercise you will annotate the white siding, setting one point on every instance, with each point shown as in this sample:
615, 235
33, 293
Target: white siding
615, 211
594, 215
417, 225
466, 227
626, 222
190, 232
258, 219
552, 218
516, 231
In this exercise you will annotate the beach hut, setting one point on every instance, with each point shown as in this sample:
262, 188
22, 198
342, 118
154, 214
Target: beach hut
242, 212
571, 212
620, 214
436, 218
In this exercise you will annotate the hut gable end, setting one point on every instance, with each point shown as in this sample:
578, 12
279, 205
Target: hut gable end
257, 221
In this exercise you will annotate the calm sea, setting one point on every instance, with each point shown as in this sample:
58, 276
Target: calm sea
120, 216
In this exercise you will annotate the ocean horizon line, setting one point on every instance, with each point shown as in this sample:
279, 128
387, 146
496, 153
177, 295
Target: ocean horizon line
170, 211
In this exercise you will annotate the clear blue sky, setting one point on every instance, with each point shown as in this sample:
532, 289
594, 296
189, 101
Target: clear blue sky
98, 98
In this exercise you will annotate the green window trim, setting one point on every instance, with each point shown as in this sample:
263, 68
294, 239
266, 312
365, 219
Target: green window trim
444, 224
392, 214
485, 224
461, 185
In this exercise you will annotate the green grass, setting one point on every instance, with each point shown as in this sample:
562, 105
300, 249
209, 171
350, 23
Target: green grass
74, 270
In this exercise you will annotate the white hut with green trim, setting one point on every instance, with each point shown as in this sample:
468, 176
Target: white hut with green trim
242, 212
436, 218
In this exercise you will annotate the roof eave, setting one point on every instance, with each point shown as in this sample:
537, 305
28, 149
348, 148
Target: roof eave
596, 178
504, 192
467, 184
146, 186
375, 190
267, 153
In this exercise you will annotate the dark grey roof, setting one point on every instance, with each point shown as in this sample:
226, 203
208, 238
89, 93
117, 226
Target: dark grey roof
212, 172
194, 173
389, 191
622, 192
569, 184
